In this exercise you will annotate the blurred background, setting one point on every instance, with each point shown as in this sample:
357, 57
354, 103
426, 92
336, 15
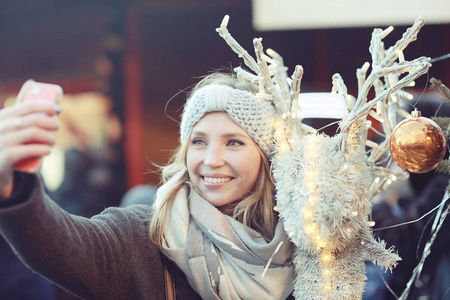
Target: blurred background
125, 67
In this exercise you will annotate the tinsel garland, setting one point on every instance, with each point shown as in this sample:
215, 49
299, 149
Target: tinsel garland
323, 196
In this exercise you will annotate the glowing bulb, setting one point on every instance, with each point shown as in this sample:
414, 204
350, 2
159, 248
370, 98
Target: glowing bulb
312, 199
311, 186
321, 243
308, 213
278, 123
278, 134
371, 223
284, 147
354, 213
275, 208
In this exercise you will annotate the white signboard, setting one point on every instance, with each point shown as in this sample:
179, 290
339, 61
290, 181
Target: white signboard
308, 14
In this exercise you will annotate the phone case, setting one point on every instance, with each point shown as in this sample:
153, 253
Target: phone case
36, 91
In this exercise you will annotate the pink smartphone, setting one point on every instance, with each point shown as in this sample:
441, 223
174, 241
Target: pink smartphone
36, 91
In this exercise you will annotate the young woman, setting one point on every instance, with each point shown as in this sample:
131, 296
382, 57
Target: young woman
211, 234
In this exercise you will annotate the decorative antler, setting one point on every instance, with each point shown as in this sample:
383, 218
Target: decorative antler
325, 184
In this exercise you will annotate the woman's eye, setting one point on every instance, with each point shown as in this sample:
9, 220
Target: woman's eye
198, 142
234, 143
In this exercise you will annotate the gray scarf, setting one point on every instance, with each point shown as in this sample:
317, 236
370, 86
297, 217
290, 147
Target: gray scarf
220, 257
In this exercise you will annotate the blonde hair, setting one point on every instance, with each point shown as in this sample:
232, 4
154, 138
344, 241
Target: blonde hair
254, 211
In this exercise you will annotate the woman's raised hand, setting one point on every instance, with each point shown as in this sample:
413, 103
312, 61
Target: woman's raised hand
26, 131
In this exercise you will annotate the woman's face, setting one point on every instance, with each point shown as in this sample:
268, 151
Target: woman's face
223, 161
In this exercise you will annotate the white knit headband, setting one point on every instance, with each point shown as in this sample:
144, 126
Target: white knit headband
251, 113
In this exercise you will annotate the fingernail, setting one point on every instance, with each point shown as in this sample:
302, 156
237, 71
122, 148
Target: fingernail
58, 109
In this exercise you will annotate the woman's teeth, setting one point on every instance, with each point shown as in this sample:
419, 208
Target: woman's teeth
216, 180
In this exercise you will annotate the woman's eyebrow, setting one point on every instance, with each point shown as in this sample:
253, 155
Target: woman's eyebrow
236, 135
200, 133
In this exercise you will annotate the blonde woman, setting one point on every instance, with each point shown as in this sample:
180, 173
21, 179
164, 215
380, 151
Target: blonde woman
212, 232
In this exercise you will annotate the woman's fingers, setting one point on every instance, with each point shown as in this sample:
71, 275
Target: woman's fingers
31, 120
21, 109
17, 153
26, 131
29, 135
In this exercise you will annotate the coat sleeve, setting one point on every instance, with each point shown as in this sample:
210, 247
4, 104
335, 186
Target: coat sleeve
104, 257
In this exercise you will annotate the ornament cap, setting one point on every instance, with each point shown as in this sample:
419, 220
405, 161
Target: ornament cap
416, 113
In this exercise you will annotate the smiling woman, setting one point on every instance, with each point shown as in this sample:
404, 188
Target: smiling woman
220, 180
213, 228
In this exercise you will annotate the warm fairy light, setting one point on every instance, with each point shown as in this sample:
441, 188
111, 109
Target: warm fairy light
411, 84
313, 199
368, 123
394, 98
278, 123
393, 177
387, 184
377, 180
271, 52
320, 242
278, 134
275, 208
311, 185
371, 223
284, 147
354, 213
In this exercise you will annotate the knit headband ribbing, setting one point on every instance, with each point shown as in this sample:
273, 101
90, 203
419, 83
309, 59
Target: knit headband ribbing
251, 113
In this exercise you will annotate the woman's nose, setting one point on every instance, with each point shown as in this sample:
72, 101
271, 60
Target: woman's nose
214, 156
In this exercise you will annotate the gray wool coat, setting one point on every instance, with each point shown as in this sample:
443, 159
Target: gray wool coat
109, 256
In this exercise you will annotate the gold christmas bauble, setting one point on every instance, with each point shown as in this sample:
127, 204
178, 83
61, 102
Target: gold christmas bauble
417, 144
